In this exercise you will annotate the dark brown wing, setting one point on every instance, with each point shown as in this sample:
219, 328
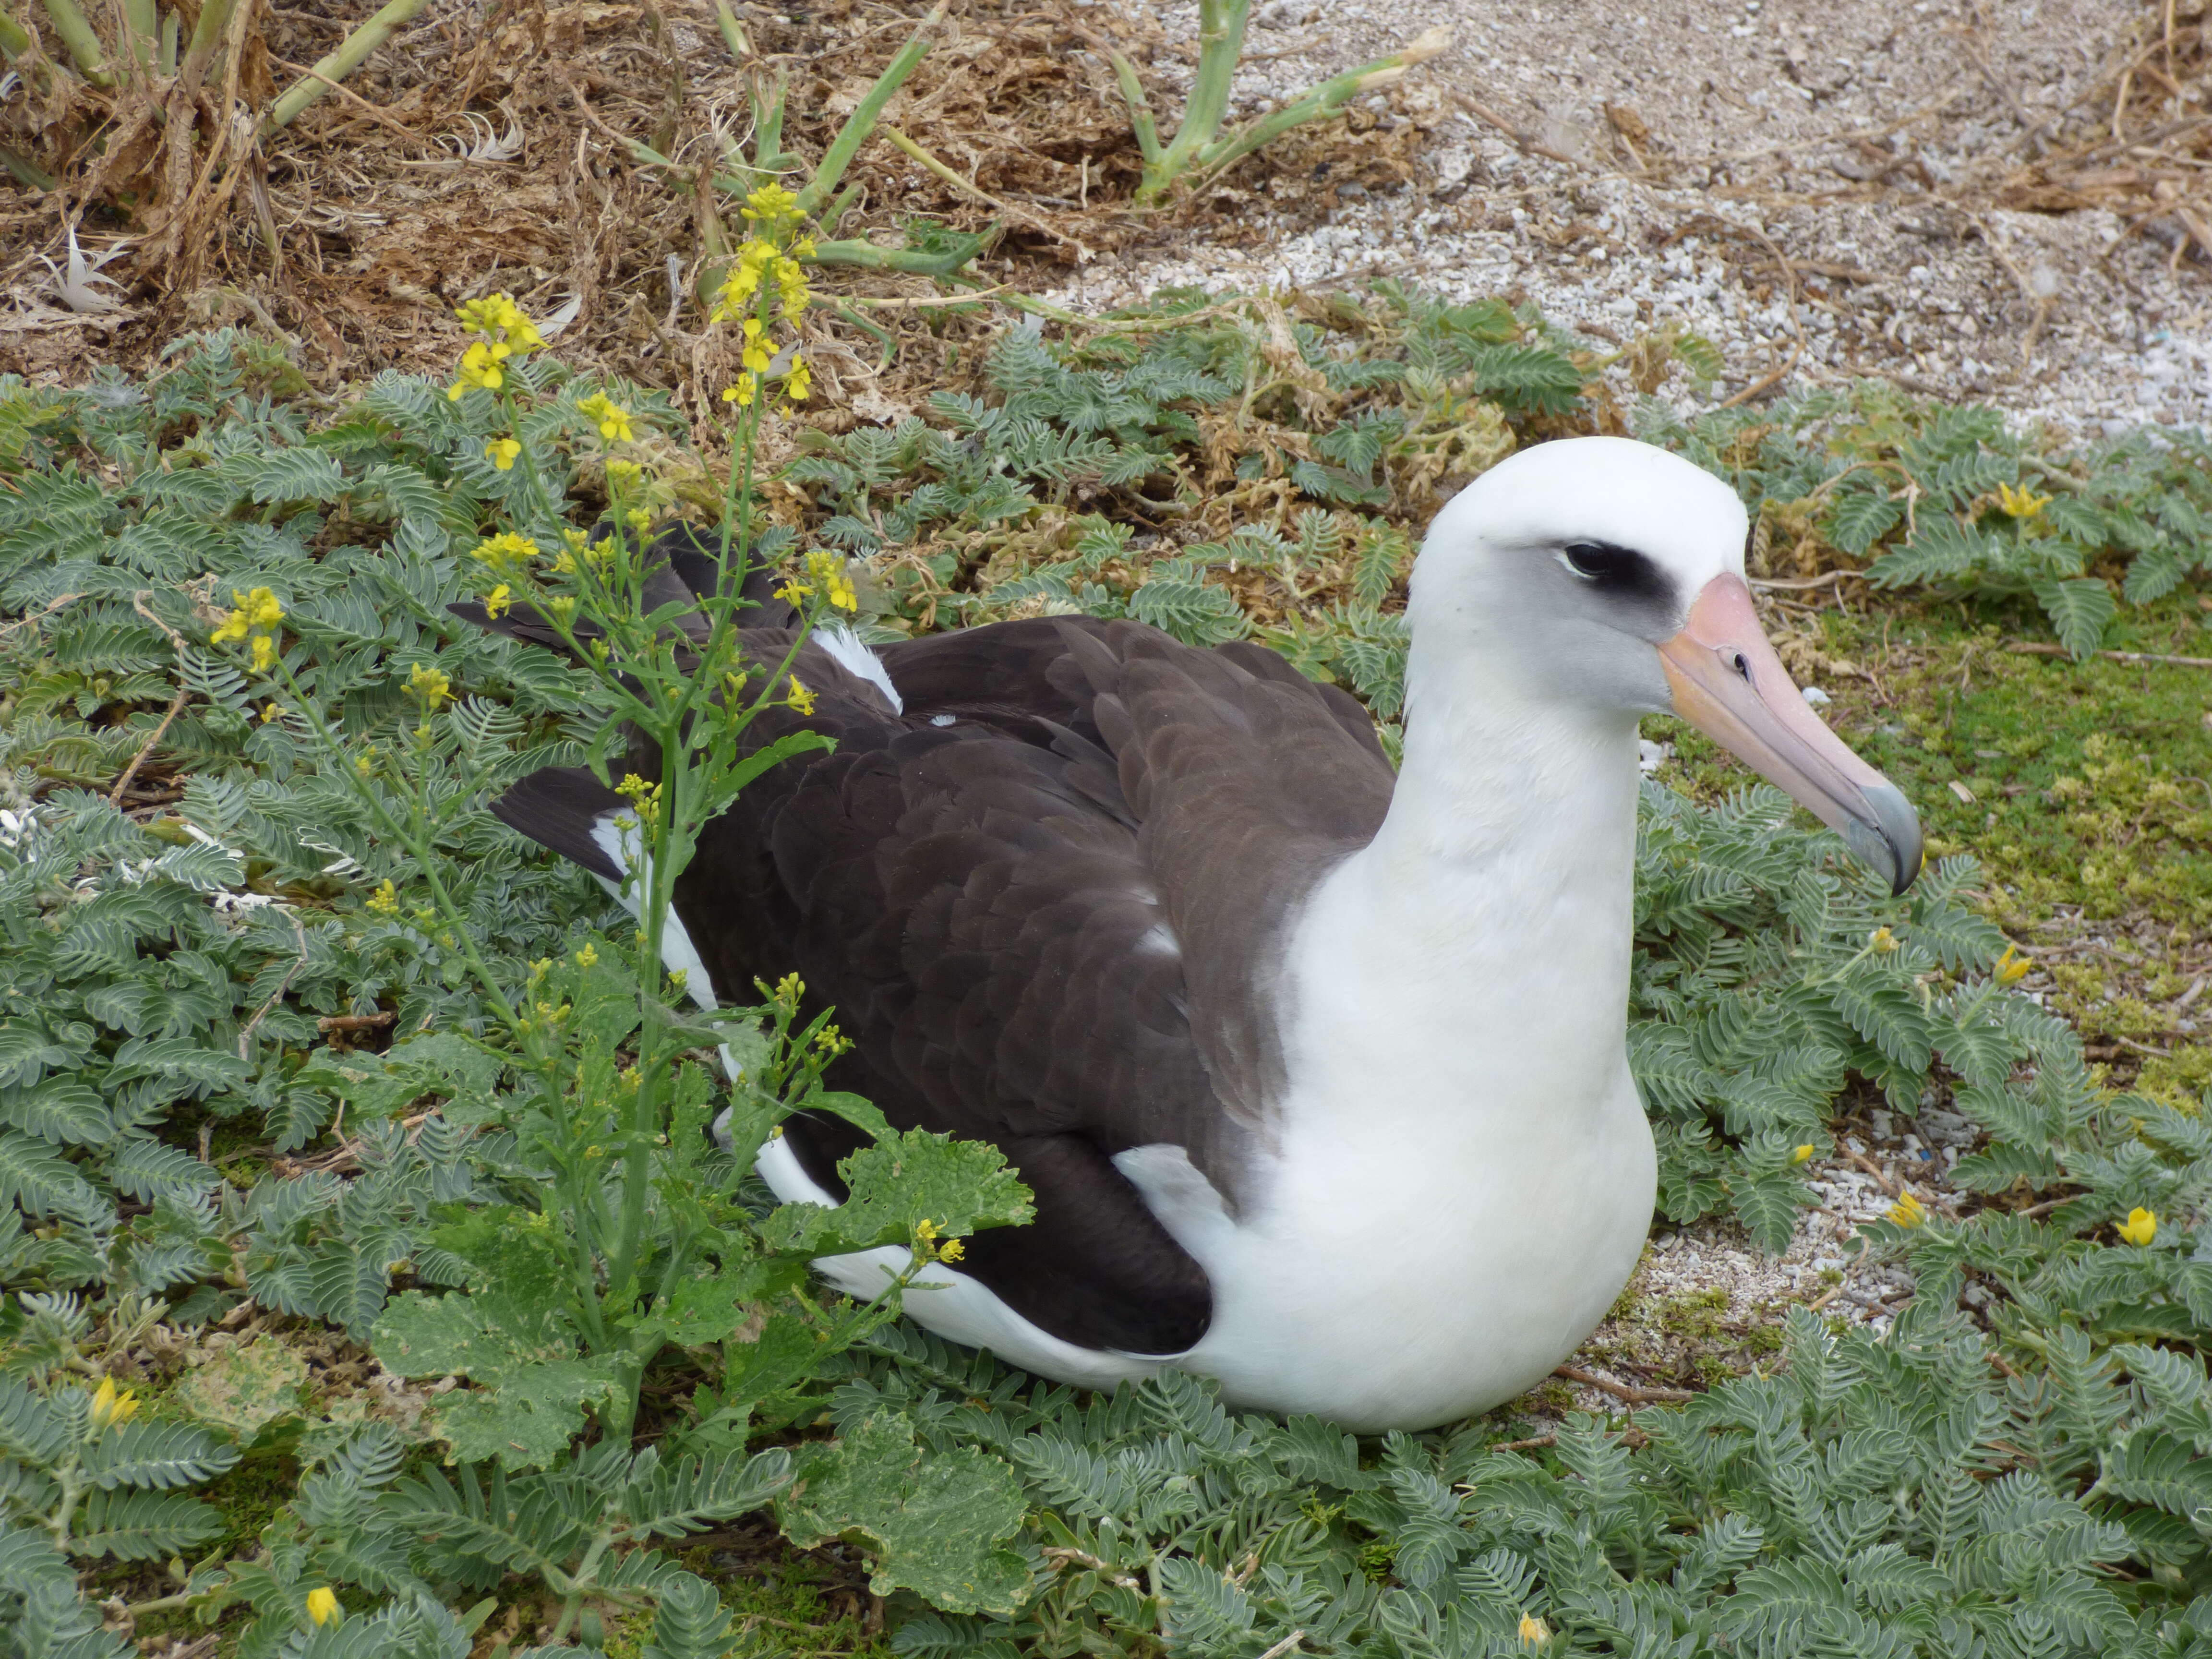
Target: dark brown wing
1052, 924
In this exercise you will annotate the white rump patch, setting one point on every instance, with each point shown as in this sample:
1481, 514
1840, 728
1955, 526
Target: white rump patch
943, 720
856, 659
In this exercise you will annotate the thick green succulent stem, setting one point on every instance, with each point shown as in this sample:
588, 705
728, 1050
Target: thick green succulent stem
341, 63
84, 48
862, 121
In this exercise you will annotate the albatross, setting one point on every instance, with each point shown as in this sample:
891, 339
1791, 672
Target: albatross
1317, 1071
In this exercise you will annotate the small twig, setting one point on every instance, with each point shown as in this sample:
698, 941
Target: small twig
1526, 1445
246, 1037
40, 616
153, 742
1285, 1646
1875, 1171
1765, 385
2034, 649
1823, 1298
330, 1022
924, 302
1765, 582
1622, 1390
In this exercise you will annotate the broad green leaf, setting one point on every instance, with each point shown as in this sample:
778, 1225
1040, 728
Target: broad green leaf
527, 1421
244, 1388
956, 1186
936, 1522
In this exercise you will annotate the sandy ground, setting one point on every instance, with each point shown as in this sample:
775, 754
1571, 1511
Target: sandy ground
1697, 145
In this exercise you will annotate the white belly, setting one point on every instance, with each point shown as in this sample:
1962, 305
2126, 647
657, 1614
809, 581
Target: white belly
1380, 1289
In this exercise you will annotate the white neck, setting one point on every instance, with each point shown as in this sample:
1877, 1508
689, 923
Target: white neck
1488, 922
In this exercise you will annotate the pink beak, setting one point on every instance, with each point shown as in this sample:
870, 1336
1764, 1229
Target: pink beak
1729, 685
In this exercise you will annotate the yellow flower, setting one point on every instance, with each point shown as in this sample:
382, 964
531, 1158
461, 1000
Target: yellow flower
1534, 1632
271, 711
505, 551
480, 367
794, 594
503, 451
2011, 967
2022, 503
430, 684
1907, 1212
497, 600
611, 417
951, 1250
1881, 941
771, 202
384, 901
639, 519
265, 654
1802, 1155
799, 382
499, 319
110, 1408
2140, 1228
925, 1230
624, 475
323, 1604
800, 699
256, 610
588, 955
757, 356
829, 569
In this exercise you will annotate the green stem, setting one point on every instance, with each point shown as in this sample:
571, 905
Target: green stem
869, 255
14, 38
84, 49
1317, 103
207, 35
26, 174
140, 18
862, 121
340, 63
734, 31
1221, 25
1140, 107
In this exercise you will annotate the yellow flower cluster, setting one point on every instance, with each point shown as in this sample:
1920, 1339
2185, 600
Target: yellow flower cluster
588, 955
504, 552
1907, 1212
384, 901
1881, 941
928, 1243
772, 255
2020, 503
2011, 967
430, 684
110, 1408
501, 331
829, 570
611, 417
645, 797
256, 617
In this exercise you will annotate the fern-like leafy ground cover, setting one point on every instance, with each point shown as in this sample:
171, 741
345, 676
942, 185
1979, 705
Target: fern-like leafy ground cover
195, 983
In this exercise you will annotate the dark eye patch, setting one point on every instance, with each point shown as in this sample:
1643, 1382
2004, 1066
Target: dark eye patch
1617, 570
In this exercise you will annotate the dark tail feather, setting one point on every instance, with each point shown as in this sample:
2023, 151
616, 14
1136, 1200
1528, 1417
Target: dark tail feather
558, 807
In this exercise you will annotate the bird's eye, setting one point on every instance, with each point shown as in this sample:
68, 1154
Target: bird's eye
1594, 561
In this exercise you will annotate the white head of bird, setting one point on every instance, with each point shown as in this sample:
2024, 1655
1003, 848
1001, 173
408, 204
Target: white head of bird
1596, 579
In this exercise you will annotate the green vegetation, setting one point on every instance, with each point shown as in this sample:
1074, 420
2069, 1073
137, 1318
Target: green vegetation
297, 1039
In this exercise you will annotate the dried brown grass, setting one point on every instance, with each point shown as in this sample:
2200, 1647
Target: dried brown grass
355, 232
